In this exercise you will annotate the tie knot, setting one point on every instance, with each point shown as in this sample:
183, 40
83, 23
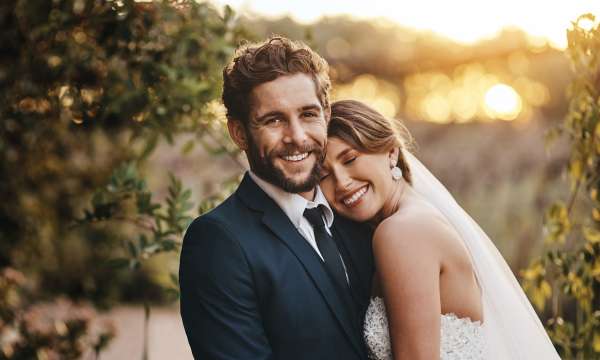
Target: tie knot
315, 217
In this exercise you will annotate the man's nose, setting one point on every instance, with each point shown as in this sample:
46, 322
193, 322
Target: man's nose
295, 133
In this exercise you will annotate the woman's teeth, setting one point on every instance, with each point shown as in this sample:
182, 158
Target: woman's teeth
357, 195
295, 157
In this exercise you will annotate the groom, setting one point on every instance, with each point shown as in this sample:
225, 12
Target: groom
272, 273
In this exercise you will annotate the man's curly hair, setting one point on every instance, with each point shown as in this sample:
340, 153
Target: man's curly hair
258, 63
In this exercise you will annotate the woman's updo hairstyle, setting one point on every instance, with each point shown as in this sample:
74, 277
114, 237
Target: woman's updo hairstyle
365, 129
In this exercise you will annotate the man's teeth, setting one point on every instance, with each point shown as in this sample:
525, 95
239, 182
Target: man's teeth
357, 195
296, 157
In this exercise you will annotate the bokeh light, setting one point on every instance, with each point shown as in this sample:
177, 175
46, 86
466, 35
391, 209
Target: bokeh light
502, 102
380, 94
470, 92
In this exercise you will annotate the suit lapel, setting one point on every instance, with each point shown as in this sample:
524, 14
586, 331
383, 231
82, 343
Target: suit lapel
276, 220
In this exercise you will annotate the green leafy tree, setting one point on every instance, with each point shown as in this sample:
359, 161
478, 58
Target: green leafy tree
89, 87
568, 274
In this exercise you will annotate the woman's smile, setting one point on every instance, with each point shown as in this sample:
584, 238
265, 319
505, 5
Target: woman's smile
354, 197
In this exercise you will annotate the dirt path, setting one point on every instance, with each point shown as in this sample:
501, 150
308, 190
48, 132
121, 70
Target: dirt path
166, 335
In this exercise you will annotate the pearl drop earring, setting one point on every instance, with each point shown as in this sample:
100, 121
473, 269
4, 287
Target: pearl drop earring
396, 173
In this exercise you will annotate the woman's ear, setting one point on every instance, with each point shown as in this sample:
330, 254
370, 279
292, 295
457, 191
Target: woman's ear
238, 134
393, 156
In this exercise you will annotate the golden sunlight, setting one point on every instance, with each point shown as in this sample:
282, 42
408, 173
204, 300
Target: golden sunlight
380, 94
502, 102
465, 21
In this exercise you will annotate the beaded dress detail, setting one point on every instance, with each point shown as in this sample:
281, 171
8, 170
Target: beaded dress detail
460, 338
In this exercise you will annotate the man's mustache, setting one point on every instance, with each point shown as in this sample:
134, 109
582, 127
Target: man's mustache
289, 151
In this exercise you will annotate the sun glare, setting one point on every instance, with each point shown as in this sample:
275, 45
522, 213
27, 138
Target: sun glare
465, 21
502, 102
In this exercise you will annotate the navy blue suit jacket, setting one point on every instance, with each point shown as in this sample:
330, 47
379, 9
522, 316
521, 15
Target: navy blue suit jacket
253, 288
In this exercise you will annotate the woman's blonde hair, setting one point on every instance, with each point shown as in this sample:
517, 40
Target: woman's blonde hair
365, 129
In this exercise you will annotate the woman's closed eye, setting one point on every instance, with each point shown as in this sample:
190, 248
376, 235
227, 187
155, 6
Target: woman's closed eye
350, 160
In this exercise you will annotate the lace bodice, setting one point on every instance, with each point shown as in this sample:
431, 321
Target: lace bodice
460, 338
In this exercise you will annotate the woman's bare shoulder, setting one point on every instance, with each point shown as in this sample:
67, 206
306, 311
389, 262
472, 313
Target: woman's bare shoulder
418, 230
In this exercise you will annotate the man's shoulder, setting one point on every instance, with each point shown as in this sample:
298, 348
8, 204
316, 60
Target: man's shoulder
228, 213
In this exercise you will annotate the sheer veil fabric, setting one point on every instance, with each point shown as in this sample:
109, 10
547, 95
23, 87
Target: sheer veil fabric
512, 329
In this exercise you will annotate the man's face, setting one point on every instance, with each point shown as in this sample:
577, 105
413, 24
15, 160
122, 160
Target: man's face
287, 133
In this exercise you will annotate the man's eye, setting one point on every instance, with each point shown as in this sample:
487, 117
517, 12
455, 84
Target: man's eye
323, 176
273, 121
310, 114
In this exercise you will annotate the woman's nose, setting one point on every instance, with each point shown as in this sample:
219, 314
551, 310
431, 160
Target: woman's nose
343, 181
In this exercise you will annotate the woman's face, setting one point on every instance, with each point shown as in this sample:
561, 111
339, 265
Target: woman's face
356, 184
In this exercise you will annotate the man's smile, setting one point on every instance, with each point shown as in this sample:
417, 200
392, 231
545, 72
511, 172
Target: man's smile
295, 157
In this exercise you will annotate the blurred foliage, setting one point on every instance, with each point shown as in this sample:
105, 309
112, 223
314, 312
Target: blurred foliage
89, 88
568, 273
57, 330
126, 198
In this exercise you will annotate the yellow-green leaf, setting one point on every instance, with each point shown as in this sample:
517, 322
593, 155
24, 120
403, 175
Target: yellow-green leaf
545, 289
533, 272
540, 294
576, 169
596, 214
592, 235
595, 271
557, 223
596, 342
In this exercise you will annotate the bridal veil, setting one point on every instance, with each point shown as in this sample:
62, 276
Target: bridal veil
511, 326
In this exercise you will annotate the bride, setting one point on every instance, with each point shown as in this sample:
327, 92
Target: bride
441, 288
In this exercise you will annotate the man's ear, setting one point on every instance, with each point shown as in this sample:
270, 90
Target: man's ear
238, 133
393, 154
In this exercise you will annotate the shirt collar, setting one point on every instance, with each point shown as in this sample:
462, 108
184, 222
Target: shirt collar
293, 205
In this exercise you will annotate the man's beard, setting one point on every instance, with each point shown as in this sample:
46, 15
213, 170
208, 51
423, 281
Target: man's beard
264, 167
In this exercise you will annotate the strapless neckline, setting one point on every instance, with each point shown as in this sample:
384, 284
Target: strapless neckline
460, 337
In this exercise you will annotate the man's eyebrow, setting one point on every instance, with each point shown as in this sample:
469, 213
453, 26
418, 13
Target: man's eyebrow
280, 113
310, 107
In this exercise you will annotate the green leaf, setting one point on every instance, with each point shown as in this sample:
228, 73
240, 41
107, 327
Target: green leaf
118, 263
143, 239
133, 250
174, 279
172, 293
150, 145
169, 245
188, 146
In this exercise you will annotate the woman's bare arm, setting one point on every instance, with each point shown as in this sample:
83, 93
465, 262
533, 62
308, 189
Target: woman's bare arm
408, 254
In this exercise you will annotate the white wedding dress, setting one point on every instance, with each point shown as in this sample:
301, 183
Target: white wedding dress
461, 338
511, 328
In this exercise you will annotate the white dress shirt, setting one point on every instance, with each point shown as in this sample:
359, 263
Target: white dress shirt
293, 205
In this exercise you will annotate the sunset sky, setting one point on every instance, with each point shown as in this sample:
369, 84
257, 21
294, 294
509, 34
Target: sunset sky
466, 21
